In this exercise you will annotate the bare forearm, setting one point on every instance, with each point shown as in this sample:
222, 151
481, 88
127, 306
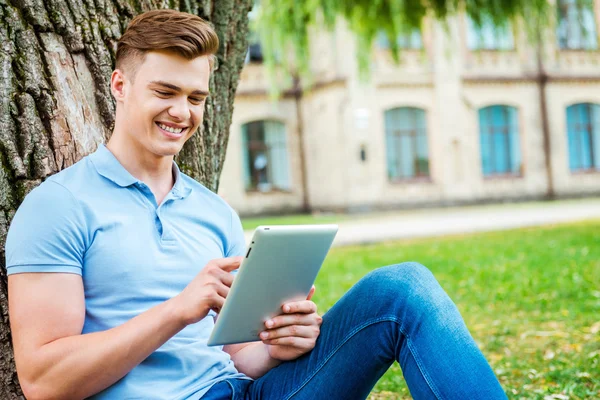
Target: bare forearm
252, 359
87, 364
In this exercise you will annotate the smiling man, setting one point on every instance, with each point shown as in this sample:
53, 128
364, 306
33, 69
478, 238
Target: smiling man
118, 265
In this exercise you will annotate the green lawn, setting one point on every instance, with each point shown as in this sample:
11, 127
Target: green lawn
296, 219
530, 297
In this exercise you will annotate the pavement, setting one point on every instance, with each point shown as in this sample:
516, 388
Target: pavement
407, 224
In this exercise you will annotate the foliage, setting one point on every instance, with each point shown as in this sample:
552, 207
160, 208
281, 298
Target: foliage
286, 24
530, 298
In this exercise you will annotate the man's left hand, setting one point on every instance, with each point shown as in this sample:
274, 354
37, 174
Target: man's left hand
294, 333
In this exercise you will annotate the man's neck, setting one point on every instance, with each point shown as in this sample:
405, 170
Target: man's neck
155, 171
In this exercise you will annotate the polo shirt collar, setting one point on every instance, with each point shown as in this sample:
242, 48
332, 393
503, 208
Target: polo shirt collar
180, 188
109, 167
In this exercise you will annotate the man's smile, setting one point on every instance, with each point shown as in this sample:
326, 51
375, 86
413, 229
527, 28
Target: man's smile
172, 130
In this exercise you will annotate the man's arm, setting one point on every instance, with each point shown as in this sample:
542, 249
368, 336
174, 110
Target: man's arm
251, 359
54, 360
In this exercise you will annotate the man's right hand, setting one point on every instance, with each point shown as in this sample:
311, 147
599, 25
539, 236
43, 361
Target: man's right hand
208, 290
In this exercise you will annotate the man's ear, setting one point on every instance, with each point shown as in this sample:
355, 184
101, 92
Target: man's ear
117, 84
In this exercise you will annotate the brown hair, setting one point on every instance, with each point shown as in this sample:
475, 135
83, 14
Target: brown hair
169, 30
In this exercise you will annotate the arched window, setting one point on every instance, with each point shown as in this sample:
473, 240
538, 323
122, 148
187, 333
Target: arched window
583, 132
264, 156
406, 143
499, 137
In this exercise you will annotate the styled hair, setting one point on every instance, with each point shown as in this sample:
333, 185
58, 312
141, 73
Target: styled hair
173, 31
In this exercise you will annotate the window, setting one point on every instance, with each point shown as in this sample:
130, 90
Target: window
264, 156
406, 143
583, 131
499, 136
576, 25
255, 53
411, 40
489, 36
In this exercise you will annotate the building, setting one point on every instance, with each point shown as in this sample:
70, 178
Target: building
472, 114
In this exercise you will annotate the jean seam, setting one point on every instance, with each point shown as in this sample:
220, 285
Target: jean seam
344, 341
426, 377
354, 332
233, 396
417, 359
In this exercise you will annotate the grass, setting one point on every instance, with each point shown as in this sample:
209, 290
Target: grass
250, 223
530, 297
253, 222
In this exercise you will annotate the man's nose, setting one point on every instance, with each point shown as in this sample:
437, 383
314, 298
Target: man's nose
180, 109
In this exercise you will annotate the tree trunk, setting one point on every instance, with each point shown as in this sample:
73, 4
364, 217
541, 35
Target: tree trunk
56, 107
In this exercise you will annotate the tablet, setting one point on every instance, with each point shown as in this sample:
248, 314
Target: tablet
281, 265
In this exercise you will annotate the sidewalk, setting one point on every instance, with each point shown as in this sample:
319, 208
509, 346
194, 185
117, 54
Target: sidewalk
445, 221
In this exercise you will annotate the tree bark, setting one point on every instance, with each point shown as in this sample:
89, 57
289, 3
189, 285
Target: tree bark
56, 59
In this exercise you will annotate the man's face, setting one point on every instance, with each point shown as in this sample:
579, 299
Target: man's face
164, 104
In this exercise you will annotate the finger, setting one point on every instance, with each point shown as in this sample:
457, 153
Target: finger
227, 264
292, 341
292, 330
292, 319
311, 293
217, 299
303, 307
221, 290
219, 274
226, 278
216, 303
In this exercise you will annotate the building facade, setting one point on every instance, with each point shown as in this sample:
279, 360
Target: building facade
471, 114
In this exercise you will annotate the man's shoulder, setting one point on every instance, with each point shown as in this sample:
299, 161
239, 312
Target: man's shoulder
206, 195
61, 189
73, 176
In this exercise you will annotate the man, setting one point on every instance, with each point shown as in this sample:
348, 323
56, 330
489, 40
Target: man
117, 265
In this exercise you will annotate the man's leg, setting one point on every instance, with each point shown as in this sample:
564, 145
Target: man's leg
398, 313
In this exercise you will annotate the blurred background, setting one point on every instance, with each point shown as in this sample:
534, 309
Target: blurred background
478, 155
472, 113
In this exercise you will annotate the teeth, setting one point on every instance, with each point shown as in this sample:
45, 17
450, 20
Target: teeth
169, 129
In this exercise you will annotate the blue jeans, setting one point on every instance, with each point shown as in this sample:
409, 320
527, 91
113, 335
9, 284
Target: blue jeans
396, 313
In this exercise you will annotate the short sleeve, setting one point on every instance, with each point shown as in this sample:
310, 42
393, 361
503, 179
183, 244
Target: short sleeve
48, 232
237, 240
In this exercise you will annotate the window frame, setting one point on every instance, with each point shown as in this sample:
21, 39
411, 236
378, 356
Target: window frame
589, 131
474, 34
505, 130
562, 11
251, 146
414, 132
406, 41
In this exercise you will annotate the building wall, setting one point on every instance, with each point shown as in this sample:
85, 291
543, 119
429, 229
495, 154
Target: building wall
252, 108
342, 115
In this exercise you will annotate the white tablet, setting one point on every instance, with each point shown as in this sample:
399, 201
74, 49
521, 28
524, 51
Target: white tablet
281, 265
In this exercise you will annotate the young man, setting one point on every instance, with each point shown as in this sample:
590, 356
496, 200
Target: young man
117, 264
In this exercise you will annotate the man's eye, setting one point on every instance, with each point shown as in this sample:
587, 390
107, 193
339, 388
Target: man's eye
194, 100
162, 93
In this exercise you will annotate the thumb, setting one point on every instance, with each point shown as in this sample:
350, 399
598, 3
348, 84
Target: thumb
311, 293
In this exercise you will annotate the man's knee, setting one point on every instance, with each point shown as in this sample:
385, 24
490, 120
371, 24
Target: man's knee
408, 284
403, 277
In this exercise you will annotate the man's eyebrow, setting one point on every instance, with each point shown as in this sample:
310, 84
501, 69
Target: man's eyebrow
177, 88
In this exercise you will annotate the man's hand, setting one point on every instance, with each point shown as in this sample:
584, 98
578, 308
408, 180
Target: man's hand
295, 333
208, 290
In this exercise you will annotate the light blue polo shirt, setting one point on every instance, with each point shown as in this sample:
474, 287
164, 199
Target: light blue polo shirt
96, 220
